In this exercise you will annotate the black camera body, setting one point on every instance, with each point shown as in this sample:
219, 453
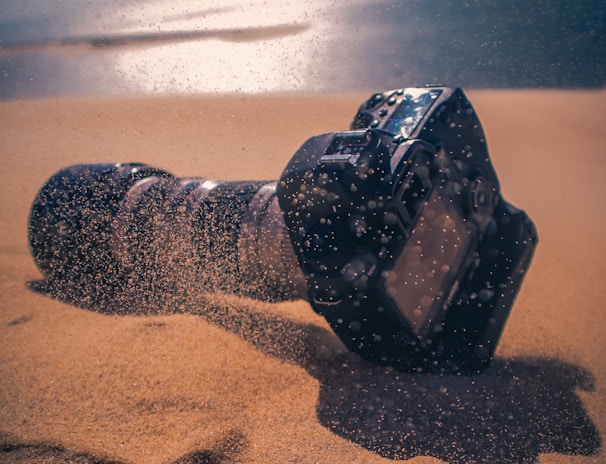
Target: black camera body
410, 252
395, 231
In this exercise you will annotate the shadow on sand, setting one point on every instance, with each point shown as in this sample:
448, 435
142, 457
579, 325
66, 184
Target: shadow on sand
513, 411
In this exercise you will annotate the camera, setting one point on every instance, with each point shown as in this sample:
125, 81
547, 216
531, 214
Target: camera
395, 231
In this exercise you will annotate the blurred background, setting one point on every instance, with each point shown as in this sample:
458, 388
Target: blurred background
54, 48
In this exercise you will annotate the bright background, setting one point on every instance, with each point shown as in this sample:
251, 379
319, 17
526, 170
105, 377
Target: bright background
118, 47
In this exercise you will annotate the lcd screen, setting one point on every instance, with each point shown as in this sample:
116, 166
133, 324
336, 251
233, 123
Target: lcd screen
410, 111
424, 272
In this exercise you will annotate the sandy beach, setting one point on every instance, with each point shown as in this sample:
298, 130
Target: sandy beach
237, 380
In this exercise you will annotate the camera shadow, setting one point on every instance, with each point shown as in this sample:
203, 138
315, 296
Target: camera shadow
512, 412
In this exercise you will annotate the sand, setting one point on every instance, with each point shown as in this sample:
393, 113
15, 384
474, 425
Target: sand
243, 381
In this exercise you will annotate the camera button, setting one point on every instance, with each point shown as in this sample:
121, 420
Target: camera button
374, 101
482, 196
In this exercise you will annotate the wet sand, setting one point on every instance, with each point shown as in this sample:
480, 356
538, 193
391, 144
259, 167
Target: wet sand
243, 381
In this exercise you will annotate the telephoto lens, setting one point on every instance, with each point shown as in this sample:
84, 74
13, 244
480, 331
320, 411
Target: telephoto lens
395, 231
126, 233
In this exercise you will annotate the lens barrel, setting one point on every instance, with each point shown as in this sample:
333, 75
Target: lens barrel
111, 231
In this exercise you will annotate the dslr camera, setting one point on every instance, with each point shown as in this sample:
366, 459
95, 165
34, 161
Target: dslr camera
395, 231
